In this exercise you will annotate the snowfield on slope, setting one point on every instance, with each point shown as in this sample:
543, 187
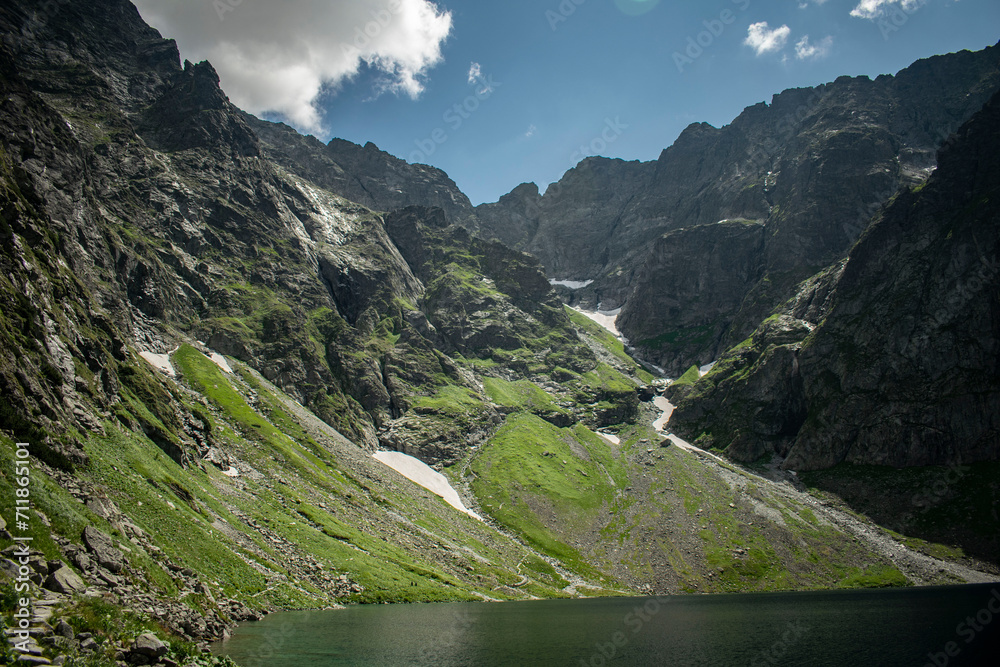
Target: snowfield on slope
420, 473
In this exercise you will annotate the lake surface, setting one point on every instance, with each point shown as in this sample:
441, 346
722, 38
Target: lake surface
941, 626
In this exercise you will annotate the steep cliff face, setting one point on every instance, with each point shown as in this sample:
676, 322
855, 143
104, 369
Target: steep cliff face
363, 174
813, 166
514, 219
572, 227
892, 361
710, 267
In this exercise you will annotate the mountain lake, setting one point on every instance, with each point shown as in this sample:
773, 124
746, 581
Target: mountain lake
935, 626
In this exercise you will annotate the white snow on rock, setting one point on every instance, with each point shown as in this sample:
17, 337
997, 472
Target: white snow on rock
332, 223
420, 473
606, 318
160, 362
610, 437
667, 409
221, 362
572, 284
706, 368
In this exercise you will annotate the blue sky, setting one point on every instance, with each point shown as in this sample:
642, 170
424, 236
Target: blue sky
500, 93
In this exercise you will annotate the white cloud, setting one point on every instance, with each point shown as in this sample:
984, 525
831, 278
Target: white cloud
476, 77
531, 132
805, 50
475, 73
805, 3
281, 56
873, 9
764, 40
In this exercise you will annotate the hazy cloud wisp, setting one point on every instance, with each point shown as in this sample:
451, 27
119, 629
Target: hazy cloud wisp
280, 57
804, 50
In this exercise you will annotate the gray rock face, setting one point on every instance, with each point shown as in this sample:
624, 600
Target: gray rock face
575, 228
813, 166
363, 174
712, 266
891, 360
103, 549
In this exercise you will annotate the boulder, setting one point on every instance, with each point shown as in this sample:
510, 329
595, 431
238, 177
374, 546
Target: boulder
33, 660
65, 581
8, 567
150, 646
103, 549
64, 629
102, 507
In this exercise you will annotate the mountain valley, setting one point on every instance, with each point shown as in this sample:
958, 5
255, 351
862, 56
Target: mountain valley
211, 323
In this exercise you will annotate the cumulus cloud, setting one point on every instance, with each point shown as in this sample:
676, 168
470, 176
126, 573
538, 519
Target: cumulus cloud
280, 57
804, 50
873, 9
764, 40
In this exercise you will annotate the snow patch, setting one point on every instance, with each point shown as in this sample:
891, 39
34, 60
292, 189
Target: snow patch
160, 362
667, 408
420, 473
706, 368
606, 318
221, 362
610, 437
572, 284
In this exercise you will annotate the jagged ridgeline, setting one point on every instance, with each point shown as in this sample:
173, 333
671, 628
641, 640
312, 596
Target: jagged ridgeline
700, 245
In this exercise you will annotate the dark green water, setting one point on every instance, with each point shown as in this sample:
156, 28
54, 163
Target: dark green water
918, 626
